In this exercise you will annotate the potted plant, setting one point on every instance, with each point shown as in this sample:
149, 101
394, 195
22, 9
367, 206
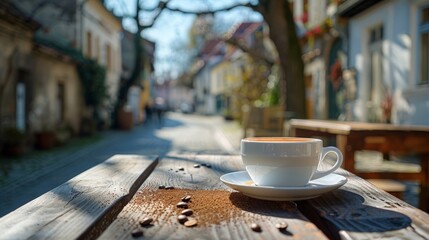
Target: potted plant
14, 141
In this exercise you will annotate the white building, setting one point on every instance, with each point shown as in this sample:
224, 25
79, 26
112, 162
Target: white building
388, 45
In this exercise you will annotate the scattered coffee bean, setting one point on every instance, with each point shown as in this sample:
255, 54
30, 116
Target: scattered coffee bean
191, 222
197, 166
187, 212
181, 169
146, 221
137, 233
161, 187
186, 198
282, 226
255, 227
169, 187
182, 205
182, 219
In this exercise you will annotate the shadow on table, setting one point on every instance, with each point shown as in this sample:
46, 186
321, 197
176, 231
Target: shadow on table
338, 211
343, 210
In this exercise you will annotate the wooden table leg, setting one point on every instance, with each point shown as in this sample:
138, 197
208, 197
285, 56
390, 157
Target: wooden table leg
345, 144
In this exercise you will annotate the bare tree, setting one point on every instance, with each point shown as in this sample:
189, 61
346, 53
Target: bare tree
278, 15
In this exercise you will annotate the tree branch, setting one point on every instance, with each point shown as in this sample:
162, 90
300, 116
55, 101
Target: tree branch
161, 6
249, 5
257, 55
164, 5
153, 20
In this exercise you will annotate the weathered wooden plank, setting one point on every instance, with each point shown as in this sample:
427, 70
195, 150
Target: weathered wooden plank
83, 206
361, 211
221, 213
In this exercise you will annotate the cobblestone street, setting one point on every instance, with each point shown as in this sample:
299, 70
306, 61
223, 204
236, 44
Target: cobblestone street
22, 180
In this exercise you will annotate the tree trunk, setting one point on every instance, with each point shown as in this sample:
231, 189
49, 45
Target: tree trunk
278, 16
125, 84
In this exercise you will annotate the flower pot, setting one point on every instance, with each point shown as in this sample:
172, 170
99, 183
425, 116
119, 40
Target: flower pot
125, 120
13, 149
45, 140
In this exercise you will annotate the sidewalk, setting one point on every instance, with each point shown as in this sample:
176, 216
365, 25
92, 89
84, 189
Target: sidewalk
25, 178
232, 132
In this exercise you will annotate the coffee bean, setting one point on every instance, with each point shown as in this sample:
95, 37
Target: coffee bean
191, 222
146, 221
182, 205
137, 233
186, 198
255, 227
161, 187
182, 219
282, 226
181, 169
187, 212
169, 187
197, 166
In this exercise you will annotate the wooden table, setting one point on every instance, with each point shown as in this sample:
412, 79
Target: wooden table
385, 138
109, 200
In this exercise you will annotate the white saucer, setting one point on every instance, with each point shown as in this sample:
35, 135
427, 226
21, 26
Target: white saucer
241, 182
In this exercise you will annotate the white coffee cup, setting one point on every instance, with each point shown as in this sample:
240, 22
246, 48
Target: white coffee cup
286, 161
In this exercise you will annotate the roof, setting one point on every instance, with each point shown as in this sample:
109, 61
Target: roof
212, 47
351, 8
244, 29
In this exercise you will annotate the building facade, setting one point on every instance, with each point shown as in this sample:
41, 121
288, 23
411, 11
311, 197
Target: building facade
388, 48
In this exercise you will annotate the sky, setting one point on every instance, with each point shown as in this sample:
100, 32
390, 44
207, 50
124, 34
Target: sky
171, 27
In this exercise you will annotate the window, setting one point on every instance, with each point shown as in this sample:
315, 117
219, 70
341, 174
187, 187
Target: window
376, 64
97, 49
424, 46
376, 34
88, 44
108, 57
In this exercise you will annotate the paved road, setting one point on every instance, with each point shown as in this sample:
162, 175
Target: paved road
35, 175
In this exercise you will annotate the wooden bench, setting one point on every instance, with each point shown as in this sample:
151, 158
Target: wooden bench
264, 122
109, 201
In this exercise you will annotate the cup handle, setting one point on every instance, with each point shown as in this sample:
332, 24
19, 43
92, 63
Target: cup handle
338, 163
